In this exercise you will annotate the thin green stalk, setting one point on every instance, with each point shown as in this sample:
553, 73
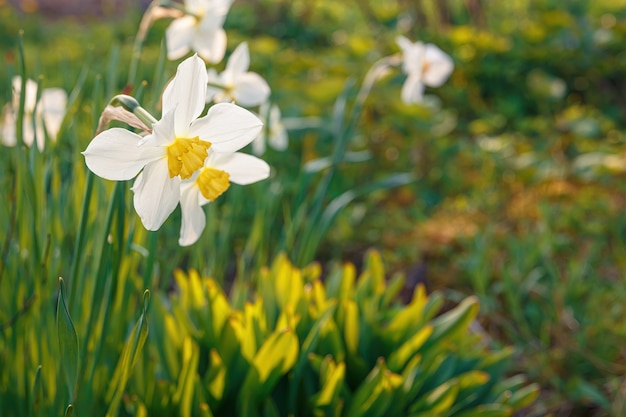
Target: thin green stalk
80, 239
9, 236
84, 213
140, 37
19, 128
152, 248
342, 133
98, 294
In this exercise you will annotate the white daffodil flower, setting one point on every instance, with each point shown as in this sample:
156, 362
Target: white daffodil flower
200, 30
208, 183
236, 83
177, 146
425, 64
276, 133
40, 117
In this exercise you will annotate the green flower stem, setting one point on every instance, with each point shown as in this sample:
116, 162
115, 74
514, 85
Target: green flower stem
75, 285
144, 116
216, 85
142, 32
132, 105
342, 135
80, 239
102, 291
19, 128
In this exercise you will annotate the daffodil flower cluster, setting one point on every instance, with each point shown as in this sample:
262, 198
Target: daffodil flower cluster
199, 28
42, 116
186, 159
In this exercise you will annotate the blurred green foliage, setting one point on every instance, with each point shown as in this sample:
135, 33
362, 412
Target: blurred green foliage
292, 344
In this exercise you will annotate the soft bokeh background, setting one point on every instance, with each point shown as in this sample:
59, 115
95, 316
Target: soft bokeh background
520, 158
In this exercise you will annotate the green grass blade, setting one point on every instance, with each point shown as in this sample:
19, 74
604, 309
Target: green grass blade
68, 342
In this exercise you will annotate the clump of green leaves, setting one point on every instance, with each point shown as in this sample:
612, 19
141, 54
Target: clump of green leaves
296, 345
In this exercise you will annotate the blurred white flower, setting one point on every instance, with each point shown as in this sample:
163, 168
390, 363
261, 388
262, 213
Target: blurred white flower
200, 30
236, 83
41, 118
176, 148
424, 64
274, 133
209, 183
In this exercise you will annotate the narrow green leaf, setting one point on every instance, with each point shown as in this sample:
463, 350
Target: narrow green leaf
319, 228
184, 391
408, 349
375, 395
442, 397
127, 360
69, 411
37, 392
351, 327
308, 346
527, 395
320, 164
215, 377
270, 409
331, 380
68, 342
276, 356
454, 321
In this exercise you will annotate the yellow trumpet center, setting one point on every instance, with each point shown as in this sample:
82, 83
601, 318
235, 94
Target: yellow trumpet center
213, 182
186, 155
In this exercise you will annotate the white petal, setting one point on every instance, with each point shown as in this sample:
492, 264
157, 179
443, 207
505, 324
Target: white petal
278, 138
178, 36
412, 89
163, 133
53, 104
227, 126
404, 43
156, 194
251, 89
186, 93
193, 216
7, 127
195, 6
213, 78
412, 55
439, 68
243, 168
40, 134
114, 154
274, 115
210, 44
29, 130
258, 144
220, 7
239, 60
213, 17
30, 98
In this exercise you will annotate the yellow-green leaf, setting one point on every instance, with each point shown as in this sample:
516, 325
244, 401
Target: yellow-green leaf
409, 349
215, 378
276, 356
351, 326
331, 380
